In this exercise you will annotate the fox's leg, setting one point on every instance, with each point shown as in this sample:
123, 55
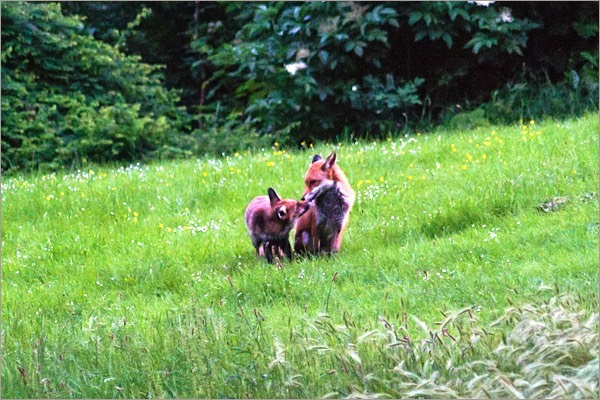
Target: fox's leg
299, 246
337, 239
269, 252
257, 245
287, 249
337, 242
304, 238
279, 248
325, 238
314, 238
327, 244
315, 245
304, 242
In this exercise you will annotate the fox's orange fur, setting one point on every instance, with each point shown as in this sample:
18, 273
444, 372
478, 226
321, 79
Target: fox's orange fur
320, 229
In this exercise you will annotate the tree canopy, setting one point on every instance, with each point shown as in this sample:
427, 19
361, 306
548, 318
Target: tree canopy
122, 81
67, 96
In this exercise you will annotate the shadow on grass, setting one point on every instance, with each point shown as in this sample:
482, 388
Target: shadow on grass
464, 216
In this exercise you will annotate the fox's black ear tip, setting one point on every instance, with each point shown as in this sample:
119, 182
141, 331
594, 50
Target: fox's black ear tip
273, 196
316, 158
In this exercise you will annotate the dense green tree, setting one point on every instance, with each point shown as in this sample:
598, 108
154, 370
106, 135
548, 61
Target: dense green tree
80, 79
159, 32
67, 97
373, 67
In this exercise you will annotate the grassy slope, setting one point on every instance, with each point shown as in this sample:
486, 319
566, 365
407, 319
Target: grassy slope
114, 281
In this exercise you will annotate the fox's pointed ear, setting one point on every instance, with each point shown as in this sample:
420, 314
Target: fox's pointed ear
316, 158
329, 162
273, 196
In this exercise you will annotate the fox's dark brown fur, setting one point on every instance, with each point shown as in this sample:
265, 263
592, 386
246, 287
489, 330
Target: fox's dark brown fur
269, 220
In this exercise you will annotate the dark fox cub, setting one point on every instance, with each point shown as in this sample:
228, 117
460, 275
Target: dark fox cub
269, 220
320, 229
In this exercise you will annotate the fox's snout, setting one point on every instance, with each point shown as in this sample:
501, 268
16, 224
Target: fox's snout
306, 192
303, 207
290, 210
310, 186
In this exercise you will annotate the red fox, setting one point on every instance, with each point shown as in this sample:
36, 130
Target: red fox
320, 228
269, 220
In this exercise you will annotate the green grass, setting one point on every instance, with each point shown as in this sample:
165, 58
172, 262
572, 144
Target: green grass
142, 281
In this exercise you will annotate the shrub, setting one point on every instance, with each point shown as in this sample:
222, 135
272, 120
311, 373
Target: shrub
352, 67
534, 101
224, 137
68, 97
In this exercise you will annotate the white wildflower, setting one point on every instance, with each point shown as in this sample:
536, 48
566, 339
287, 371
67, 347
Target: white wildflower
295, 67
506, 16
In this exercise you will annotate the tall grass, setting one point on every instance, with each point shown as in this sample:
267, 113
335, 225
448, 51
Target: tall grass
141, 281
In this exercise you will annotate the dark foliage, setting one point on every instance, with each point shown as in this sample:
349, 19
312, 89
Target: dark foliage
67, 97
374, 68
249, 73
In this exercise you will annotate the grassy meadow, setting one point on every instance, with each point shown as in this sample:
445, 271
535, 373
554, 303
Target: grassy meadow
141, 281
